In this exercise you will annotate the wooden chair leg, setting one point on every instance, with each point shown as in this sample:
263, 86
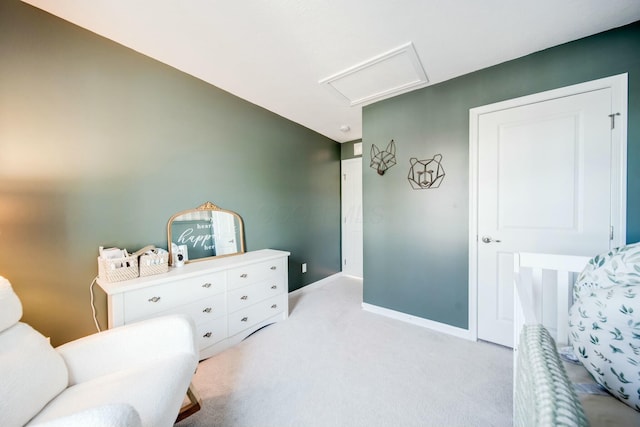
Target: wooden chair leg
194, 405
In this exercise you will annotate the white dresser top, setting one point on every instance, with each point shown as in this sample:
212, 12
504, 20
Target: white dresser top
192, 269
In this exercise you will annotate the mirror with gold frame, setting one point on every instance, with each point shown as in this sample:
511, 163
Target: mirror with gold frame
205, 232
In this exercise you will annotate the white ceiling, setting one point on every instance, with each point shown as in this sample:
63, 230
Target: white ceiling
275, 53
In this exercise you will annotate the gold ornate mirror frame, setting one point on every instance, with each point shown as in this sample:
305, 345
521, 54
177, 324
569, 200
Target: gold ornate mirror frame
205, 232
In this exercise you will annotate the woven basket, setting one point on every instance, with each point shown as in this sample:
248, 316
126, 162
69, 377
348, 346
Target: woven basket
118, 269
151, 264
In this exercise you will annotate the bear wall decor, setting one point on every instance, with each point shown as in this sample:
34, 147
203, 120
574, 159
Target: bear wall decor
425, 174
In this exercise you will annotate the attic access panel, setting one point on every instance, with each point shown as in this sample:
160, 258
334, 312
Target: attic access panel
392, 73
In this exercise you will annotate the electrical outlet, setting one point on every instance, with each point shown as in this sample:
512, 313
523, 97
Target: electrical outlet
304, 267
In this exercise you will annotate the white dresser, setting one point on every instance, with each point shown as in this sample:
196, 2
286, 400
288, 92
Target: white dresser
228, 298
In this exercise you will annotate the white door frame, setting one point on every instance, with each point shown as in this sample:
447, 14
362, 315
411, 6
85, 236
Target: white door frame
618, 85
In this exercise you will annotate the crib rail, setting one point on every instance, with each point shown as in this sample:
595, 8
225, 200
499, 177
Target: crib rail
543, 285
536, 276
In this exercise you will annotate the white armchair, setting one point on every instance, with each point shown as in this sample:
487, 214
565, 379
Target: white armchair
135, 375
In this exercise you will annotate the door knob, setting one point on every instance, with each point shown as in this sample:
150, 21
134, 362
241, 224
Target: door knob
487, 239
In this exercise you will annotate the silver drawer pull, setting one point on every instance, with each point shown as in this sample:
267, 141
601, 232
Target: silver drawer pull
244, 297
274, 306
206, 285
207, 310
273, 267
244, 319
274, 287
154, 299
207, 335
243, 275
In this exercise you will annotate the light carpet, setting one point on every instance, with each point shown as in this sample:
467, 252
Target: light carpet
333, 364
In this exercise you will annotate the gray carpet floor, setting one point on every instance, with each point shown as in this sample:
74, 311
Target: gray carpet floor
333, 364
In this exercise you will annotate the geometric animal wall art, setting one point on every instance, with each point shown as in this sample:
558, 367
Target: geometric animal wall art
425, 174
383, 160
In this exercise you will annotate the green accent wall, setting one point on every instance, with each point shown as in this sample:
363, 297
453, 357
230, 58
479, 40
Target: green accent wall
100, 145
416, 242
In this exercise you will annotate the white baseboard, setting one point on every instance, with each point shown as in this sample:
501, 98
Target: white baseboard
404, 317
419, 321
317, 284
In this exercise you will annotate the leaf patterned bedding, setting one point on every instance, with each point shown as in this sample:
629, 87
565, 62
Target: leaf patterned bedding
604, 322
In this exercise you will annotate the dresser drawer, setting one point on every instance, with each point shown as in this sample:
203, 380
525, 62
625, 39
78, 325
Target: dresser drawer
203, 286
209, 308
200, 311
243, 319
147, 302
211, 332
251, 294
242, 276
209, 316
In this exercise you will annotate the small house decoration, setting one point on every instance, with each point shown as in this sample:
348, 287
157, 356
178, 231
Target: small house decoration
383, 160
425, 174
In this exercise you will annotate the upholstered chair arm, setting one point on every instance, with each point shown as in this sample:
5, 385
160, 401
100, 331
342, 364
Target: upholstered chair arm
127, 346
113, 415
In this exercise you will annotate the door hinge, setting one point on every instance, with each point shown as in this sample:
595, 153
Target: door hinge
345, 261
344, 176
611, 232
613, 119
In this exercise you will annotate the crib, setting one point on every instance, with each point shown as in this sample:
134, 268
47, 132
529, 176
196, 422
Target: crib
544, 384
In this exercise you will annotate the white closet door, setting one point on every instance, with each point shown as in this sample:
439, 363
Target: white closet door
352, 217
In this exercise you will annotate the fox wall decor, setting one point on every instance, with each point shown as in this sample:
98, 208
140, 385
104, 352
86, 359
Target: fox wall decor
383, 160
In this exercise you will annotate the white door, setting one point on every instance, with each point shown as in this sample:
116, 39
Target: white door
544, 184
352, 217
